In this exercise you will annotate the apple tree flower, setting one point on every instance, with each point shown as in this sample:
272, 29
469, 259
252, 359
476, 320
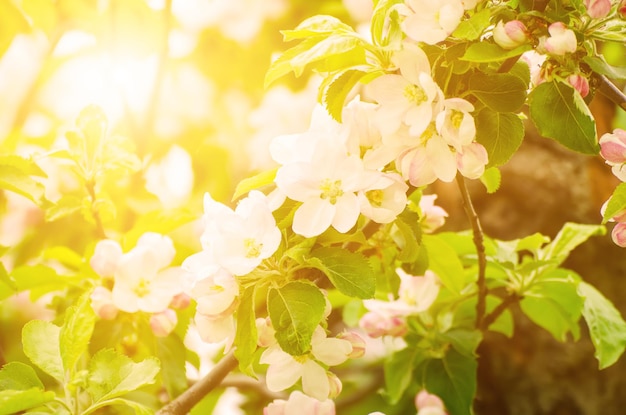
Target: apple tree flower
300, 404
433, 217
410, 97
285, 370
429, 404
561, 41
511, 34
102, 303
598, 9
431, 21
385, 199
613, 150
455, 123
236, 240
171, 178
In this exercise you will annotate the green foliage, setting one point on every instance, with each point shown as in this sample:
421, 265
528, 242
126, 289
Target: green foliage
560, 113
76, 332
444, 262
255, 182
40, 340
491, 179
14, 401
296, 309
501, 133
617, 203
606, 326
499, 92
246, 335
482, 52
349, 272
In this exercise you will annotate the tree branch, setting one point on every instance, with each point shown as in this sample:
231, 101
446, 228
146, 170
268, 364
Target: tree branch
480, 249
608, 89
493, 316
188, 399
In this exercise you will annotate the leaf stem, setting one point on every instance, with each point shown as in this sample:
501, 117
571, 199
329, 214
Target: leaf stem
90, 185
480, 248
188, 399
493, 316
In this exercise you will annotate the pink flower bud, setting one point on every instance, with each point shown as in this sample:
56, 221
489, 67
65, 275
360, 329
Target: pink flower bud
335, 385
357, 342
580, 84
561, 41
163, 323
621, 9
102, 303
300, 404
598, 9
433, 217
377, 325
619, 217
425, 400
511, 34
265, 331
613, 146
180, 301
619, 234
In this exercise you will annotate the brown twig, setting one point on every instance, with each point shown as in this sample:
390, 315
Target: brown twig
493, 316
608, 89
480, 249
188, 399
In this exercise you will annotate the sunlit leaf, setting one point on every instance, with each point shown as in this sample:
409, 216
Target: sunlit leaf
19, 376
349, 272
15, 401
500, 133
40, 340
617, 203
491, 178
76, 332
500, 92
246, 335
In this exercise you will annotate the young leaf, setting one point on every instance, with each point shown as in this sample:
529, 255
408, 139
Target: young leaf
408, 237
444, 262
171, 352
568, 238
500, 92
255, 182
472, 28
606, 326
399, 372
599, 65
617, 203
483, 52
17, 181
560, 113
16, 401
349, 272
246, 334
139, 409
282, 65
160, 221
19, 376
380, 17
339, 89
500, 133
453, 378
491, 178
335, 46
76, 332
40, 341
295, 309
112, 375
317, 26
40, 280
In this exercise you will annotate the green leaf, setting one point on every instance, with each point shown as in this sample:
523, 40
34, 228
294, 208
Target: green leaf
160, 221
316, 26
408, 237
555, 306
8, 287
135, 406
499, 91
334, 46
76, 332
399, 372
339, 89
500, 133
483, 52
40, 280
17, 181
296, 310
599, 65
452, 378
112, 375
246, 334
445, 262
282, 65
19, 376
617, 203
606, 326
473, 28
379, 21
255, 182
171, 353
504, 323
15, 401
491, 178
560, 113
569, 237
349, 272
40, 341
65, 206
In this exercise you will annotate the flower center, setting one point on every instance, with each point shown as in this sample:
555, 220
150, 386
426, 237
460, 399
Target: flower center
331, 190
415, 94
375, 197
456, 117
142, 288
428, 133
253, 248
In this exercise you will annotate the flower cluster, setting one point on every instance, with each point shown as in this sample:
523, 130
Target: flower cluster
234, 243
142, 281
426, 404
613, 150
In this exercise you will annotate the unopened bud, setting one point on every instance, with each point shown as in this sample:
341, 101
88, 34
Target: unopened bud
377, 325
561, 41
163, 323
510, 35
597, 9
180, 301
335, 385
102, 303
580, 84
621, 10
357, 342
265, 332
424, 400
619, 234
